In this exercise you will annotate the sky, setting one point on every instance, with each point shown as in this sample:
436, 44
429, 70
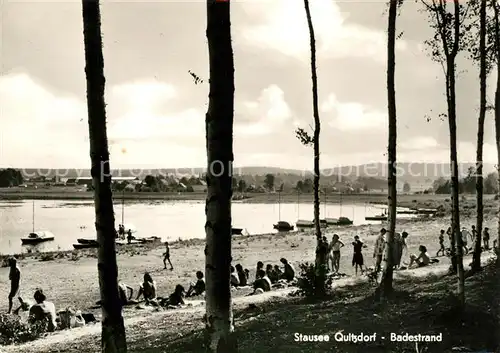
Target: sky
156, 113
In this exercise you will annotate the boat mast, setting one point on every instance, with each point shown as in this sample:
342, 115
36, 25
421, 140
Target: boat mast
325, 202
123, 207
279, 205
298, 204
33, 216
340, 203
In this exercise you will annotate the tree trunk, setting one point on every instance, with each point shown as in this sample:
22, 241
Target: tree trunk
388, 259
113, 330
320, 258
452, 121
476, 261
497, 108
219, 131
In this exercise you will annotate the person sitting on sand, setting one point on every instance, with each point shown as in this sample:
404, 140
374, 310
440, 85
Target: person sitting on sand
197, 288
43, 311
378, 251
271, 274
486, 238
242, 277
15, 281
147, 289
262, 283
235, 282
175, 299
422, 260
441, 244
357, 257
122, 291
260, 266
247, 273
278, 271
166, 257
289, 272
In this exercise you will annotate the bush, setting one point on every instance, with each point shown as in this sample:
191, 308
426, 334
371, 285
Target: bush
307, 283
14, 330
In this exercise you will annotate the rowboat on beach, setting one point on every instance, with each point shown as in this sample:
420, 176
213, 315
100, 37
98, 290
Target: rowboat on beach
283, 226
86, 246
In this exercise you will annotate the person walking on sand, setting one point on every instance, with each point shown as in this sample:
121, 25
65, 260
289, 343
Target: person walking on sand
378, 251
15, 281
441, 244
166, 257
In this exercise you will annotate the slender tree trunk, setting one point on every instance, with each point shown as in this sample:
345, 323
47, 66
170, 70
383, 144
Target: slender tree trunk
452, 120
496, 11
113, 330
476, 261
388, 260
320, 256
219, 130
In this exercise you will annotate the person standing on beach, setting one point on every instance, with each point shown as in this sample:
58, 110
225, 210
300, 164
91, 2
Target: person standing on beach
378, 252
486, 238
441, 244
166, 257
357, 257
15, 281
473, 235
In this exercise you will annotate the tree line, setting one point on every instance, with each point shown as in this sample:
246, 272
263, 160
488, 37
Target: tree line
468, 185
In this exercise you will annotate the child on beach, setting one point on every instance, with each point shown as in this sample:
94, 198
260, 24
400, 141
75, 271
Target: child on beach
441, 244
289, 272
357, 257
147, 289
486, 238
260, 266
123, 289
15, 281
422, 260
378, 251
242, 276
465, 235
473, 235
166, 257
197, 288
235, 282
334, 255
262, 283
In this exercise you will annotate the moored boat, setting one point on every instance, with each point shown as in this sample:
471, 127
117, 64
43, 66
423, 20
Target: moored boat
236, 231
381, 217
38, 237
86, 246
86, 241
283, 226
301, 223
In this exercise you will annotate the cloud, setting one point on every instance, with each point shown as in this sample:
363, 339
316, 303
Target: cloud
348, 116
284, 28
264, 115
419, 143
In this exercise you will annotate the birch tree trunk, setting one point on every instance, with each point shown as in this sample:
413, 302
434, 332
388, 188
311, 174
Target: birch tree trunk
496, 12
476, 261
320, 256
219, 137
113, 330
388, 259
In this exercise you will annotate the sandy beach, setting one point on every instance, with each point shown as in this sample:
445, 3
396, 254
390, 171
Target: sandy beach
70, 278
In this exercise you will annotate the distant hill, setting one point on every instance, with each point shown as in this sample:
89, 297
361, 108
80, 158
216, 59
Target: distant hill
413, 173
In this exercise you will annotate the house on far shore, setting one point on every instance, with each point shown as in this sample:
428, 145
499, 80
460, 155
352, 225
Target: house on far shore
200, 187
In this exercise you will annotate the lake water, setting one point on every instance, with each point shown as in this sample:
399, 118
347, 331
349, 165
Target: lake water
170, 220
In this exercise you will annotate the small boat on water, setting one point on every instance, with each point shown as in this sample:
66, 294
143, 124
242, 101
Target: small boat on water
341, 221
236, 231
428, 211
37, 238
283, 226
301, 223
380, 217
86, 241
86, 246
